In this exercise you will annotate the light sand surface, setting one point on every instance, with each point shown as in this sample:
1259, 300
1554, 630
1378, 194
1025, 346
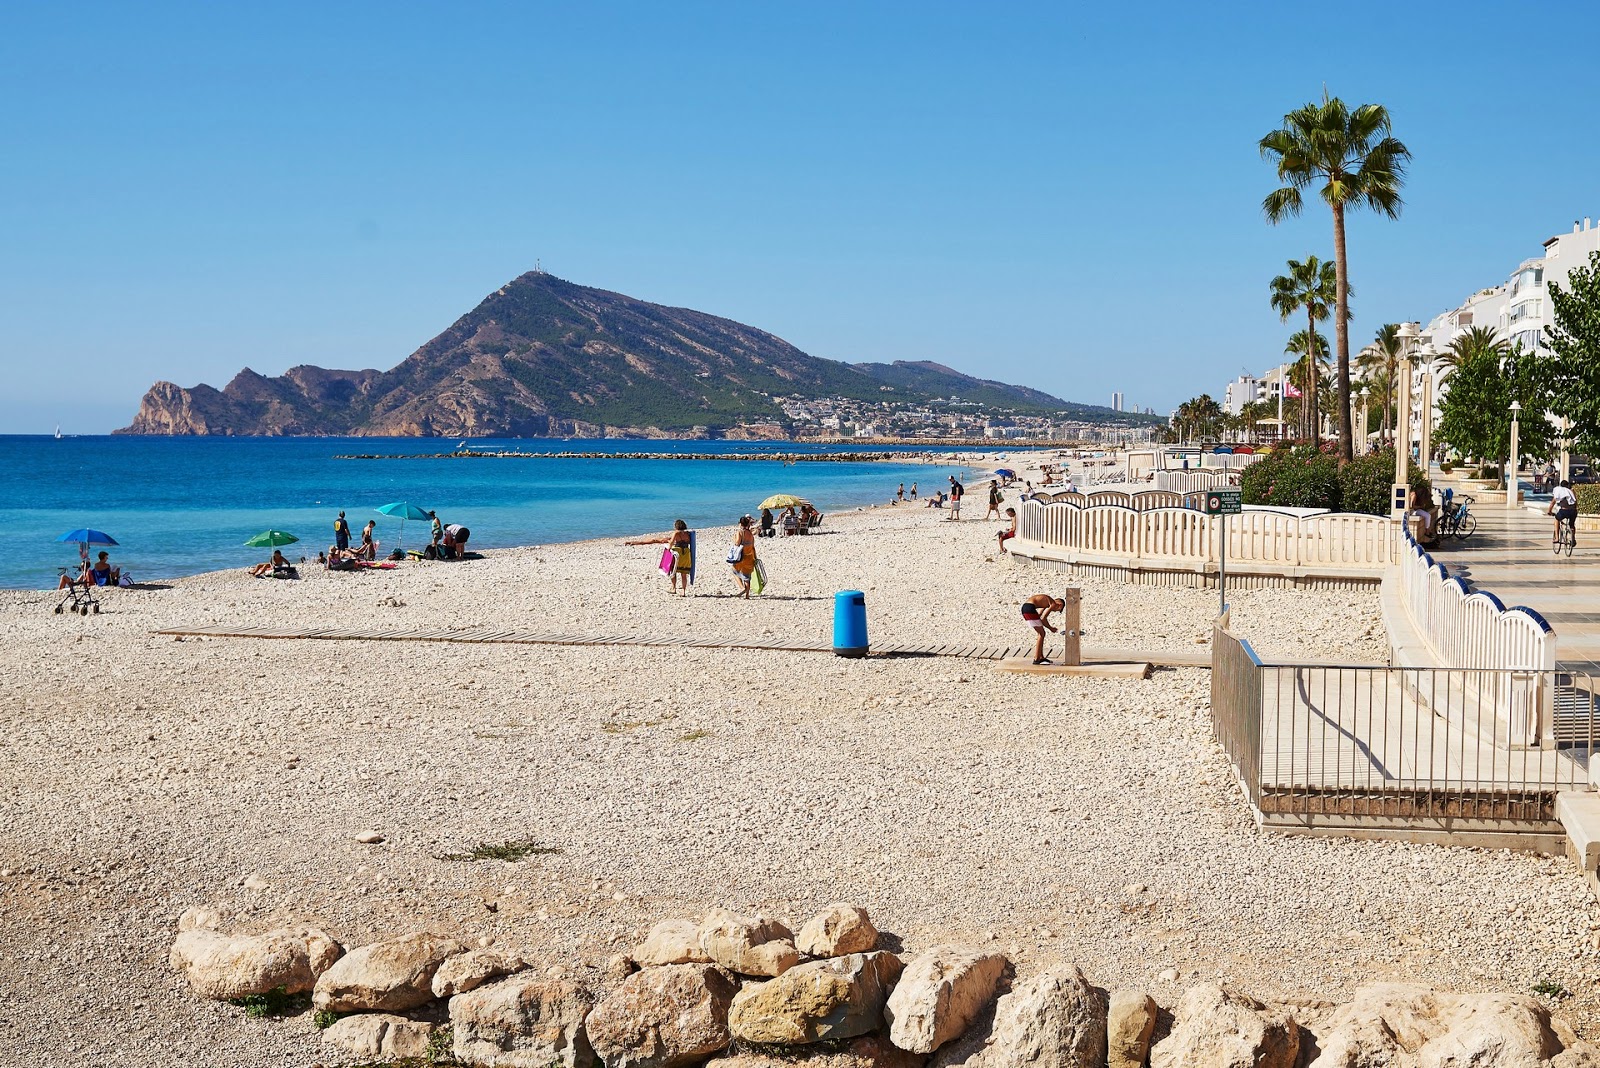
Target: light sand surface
1065, 818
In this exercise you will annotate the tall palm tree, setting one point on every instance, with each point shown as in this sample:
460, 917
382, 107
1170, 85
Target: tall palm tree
1310, 286
1359, 163
1306, 372
1383, 357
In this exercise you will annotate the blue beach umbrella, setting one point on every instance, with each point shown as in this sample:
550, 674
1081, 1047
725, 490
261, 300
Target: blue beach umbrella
85, 536
403, 510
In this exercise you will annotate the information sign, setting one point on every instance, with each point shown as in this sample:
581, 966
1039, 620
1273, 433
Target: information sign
1224, 502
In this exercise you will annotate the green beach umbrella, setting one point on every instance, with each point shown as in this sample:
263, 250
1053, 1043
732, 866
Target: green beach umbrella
271, 539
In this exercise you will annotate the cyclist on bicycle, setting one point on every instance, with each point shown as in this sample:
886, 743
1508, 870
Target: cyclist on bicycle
1563, 505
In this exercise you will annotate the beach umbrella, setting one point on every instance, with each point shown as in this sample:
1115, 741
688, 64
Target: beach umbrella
1005, 472
271, 539
783, 500
85, 536
403, 510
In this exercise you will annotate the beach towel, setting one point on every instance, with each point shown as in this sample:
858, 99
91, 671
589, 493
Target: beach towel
668, 561
758, 579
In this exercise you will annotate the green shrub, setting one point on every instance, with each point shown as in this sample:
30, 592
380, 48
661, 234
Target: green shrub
1588, 498
1364, 483
1307, 478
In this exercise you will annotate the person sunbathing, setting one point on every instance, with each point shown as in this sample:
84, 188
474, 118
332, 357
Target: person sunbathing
277, 562
99, 573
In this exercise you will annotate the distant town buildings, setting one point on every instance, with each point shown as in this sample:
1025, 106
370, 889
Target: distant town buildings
944, 418
1116, 402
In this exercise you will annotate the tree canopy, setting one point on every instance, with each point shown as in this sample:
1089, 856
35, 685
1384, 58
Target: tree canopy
1575, 344
1475, 416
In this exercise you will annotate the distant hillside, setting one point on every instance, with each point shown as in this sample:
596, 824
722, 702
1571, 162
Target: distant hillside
542, 357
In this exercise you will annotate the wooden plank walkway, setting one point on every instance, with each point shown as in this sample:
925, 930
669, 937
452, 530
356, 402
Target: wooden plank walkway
501, 636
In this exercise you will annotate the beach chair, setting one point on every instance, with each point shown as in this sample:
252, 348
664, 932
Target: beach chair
77, 596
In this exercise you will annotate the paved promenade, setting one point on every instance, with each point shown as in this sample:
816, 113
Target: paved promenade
1509, 555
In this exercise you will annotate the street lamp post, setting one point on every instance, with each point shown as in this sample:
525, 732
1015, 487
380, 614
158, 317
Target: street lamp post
1407, 335
1425, 357
1361, 422
1511, 465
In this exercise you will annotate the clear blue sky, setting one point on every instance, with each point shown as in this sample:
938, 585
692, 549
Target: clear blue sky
1062, 196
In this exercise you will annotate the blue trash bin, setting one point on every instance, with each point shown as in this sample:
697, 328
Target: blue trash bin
850, 623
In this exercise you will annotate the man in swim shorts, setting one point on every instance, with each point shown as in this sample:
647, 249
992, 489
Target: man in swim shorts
1036, 614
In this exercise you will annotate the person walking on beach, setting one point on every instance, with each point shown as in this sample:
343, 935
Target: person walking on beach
341, 532
1036, 614
368, 549
913, 491
743, 556
682, 545
900, 494
956, 490
995, 497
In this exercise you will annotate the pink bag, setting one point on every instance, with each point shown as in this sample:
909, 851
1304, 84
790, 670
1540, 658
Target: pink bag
668, 561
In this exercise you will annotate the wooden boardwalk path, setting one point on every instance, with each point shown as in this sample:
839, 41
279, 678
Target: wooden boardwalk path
501, 636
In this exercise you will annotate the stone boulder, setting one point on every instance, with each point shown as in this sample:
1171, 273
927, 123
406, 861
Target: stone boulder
470, 970
748, 945
1130, 1020
1577, 1055
1055, 1018
523, 1022
1217, 1027
220, 966
870, 1051
379, 1035
1392, 1023
389, 976
671, 942
939, 994
663, 1017
837, 931
840, 997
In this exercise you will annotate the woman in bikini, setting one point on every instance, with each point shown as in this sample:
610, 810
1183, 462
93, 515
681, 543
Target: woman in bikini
682, 557
745, 566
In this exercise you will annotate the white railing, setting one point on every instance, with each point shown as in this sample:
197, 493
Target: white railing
1467, 629
1186, 537
1194, 481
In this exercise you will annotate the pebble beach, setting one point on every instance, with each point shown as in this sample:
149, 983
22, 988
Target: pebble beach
1063, 819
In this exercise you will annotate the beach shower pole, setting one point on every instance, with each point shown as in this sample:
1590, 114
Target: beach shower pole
1072, 626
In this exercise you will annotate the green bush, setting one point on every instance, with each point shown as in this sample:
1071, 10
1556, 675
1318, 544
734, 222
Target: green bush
1588, 498
1303, 477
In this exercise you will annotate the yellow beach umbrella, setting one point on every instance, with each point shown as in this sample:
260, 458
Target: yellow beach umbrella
783, 500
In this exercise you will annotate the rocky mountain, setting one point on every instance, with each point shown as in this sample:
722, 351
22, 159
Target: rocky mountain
542, 357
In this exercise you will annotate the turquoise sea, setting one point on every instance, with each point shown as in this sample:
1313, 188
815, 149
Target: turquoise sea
178, 506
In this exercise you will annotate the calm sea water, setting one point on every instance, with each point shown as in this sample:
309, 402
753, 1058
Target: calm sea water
179, 506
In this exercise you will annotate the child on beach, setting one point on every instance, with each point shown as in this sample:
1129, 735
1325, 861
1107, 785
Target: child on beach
1010, 532
1036, 614
900, 494
913, 491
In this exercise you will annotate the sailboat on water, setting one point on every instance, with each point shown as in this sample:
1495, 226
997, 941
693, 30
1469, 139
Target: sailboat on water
58, 431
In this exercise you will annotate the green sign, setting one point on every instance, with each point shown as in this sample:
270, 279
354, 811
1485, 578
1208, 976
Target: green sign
1223, 502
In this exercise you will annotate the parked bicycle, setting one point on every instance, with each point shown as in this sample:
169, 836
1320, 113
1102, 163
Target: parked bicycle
1566, 536
1457, 521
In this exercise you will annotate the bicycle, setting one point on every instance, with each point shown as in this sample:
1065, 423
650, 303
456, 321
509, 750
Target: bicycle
1459, 522
1566, 538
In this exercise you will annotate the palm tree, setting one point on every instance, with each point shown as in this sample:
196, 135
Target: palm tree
1358, 163
1310, 286
1471, 342
1312, 351
1379, 362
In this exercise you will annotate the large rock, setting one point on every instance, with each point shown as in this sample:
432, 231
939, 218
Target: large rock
1410, 1025
389, 976
841, 997
470, 970
1577, 1055
869, 1051
671, 942
1055, 1018
379, 1035
1216, 1027
221, 966
663, 1017
1130, 1020
523, 1022
836, 931
748, 945
939, 994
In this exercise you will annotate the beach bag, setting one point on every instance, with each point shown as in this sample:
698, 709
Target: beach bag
736, 554
669, 561
758, 579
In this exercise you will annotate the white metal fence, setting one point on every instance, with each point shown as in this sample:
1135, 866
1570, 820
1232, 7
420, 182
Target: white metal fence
1195, 481
1068, 530
1464, 628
